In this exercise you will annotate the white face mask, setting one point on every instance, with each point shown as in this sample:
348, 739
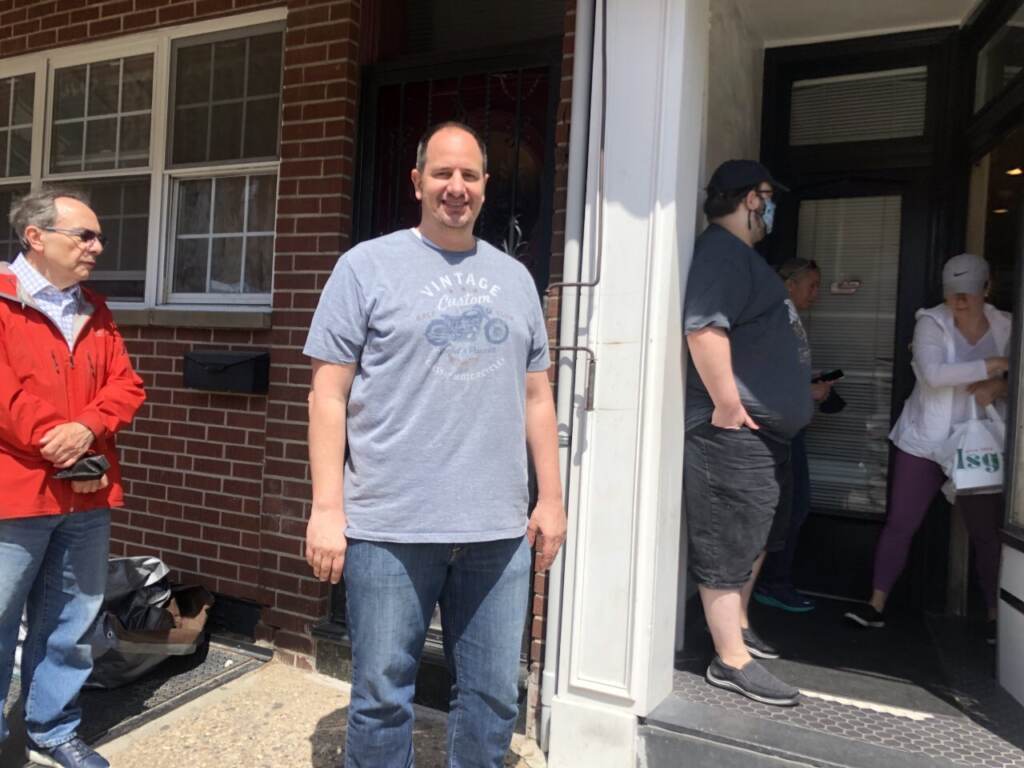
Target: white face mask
768, 216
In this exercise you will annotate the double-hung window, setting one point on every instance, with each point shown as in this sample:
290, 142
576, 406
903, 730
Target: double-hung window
174, 135
222, 161
17, 108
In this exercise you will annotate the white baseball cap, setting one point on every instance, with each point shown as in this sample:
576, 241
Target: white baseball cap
965, 273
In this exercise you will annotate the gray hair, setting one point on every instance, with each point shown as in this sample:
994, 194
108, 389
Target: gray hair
39, 209
421, 148
791, 268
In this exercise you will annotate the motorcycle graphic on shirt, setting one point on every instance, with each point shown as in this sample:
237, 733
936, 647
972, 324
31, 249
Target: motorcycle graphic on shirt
466, 327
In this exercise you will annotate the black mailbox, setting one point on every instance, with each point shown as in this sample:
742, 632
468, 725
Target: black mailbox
246, 371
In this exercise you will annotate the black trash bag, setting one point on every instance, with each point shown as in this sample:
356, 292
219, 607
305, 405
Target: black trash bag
144, 621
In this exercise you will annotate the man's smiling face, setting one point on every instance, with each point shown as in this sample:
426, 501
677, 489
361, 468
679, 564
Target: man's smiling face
450, 186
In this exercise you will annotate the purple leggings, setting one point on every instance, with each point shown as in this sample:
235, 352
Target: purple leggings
915, 482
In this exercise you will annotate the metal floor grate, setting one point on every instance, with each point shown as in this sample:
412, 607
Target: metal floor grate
956, 739
107, 714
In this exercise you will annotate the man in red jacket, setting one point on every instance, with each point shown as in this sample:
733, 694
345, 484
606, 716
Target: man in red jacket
66, 387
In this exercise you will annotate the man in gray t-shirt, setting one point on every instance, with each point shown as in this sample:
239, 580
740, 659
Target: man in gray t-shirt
430, 382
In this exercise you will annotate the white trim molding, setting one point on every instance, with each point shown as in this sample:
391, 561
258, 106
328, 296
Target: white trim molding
622, 554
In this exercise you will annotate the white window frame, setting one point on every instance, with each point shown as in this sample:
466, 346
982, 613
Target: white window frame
12, 180
205, 172
159, 43
17, 68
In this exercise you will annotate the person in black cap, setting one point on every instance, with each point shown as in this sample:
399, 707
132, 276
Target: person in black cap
747, 395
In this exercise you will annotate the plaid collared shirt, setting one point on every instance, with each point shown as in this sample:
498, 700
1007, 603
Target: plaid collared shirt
60, 306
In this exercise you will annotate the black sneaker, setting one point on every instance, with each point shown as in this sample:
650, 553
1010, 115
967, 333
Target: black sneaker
71, 754
991, 632
866, 616
757, 647
753, 681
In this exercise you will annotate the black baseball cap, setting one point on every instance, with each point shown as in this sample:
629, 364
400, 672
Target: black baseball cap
734, 175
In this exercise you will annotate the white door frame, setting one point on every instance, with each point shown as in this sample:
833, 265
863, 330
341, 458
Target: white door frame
621, 577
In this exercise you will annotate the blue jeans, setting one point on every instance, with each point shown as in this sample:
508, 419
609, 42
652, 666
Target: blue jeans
391, 590
777, 570
56, 567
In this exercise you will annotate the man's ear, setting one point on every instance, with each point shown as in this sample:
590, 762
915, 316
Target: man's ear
417, 180
32, 240
753, 200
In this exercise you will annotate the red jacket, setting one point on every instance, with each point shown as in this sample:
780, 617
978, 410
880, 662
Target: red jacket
43, 384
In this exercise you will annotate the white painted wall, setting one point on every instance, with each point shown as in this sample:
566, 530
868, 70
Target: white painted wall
735, 82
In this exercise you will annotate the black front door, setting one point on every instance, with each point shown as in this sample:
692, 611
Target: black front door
510, 100
865, 236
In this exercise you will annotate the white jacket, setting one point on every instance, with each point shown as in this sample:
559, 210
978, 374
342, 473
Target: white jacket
927, 418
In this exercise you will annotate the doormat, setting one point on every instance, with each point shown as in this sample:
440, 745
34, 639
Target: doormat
108, 714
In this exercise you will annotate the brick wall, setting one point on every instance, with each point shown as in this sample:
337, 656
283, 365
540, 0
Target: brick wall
193, 466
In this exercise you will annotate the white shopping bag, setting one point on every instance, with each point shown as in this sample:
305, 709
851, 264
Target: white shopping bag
972, 457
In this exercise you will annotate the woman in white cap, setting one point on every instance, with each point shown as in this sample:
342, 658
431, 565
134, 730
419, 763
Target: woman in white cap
960, 351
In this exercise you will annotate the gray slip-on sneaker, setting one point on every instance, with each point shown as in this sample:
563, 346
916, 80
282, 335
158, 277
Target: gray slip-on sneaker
753, 681
757, 647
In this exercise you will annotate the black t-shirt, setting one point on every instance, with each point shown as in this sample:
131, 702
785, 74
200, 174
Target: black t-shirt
731, 287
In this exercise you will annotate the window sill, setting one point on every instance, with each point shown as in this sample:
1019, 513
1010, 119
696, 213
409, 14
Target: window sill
192, 317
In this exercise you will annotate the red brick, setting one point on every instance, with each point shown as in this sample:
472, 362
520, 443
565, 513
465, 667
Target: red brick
12, 17
118, 8
170, 14
140, 20
105, 27
218, 569
184, 528
211, 7
239, 555
307, 55
160, 541
309, 16
42, 39
85, 14
180, 561
224, 502
39, 9
27, 27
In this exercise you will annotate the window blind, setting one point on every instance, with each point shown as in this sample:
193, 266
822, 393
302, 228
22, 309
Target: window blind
852, 239
864, 107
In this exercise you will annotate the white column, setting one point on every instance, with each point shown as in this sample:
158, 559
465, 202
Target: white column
622, 554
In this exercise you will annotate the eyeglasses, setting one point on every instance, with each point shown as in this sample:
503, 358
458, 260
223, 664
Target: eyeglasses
86, 236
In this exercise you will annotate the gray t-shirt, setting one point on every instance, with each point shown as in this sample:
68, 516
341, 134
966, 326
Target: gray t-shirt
731, 287
436, 415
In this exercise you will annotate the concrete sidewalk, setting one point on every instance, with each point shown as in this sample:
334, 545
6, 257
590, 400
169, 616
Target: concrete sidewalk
275, 717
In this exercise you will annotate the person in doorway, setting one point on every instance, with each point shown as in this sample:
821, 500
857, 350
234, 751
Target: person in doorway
66, 387
747, 395
960, 351
775, 584
430, 360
